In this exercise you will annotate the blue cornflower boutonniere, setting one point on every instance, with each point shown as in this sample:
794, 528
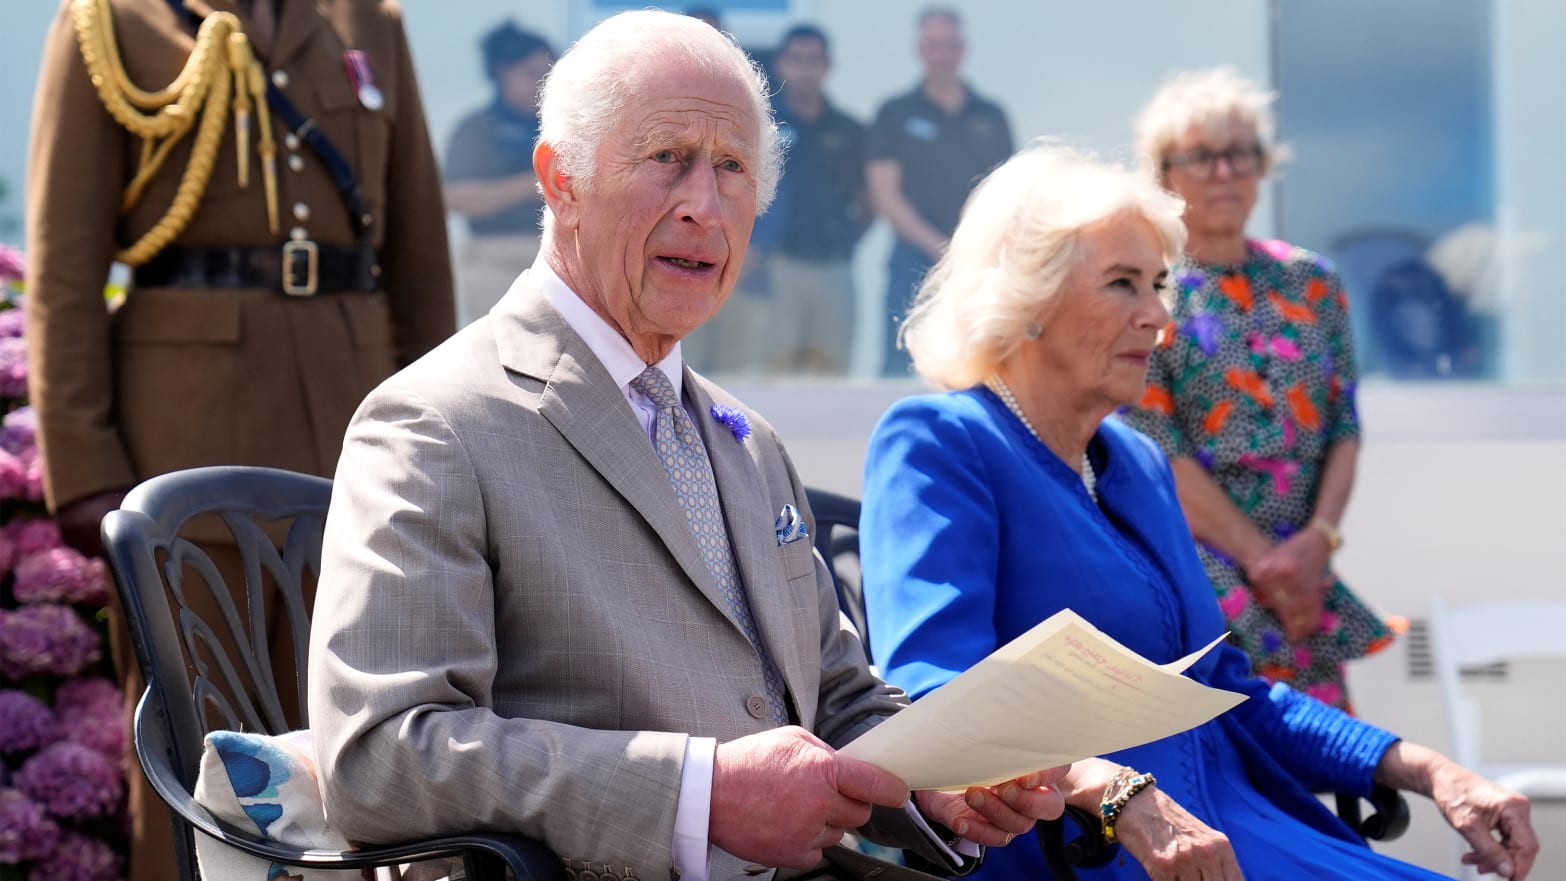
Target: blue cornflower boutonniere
733, 419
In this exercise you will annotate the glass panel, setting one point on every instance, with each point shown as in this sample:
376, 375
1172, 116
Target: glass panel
1388, 107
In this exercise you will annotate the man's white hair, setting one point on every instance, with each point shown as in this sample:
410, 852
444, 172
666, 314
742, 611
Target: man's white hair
589, 87
1013, 252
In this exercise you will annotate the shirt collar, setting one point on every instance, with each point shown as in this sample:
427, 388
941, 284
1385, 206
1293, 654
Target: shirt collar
607, 345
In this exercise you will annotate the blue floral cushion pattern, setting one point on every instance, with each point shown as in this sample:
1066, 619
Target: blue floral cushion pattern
267, 786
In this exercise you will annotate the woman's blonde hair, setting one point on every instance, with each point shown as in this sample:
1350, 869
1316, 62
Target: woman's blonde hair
1207, 100
1013, 252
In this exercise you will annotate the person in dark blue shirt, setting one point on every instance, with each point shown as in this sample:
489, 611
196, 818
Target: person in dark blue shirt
806, 241
489, 171
927, 148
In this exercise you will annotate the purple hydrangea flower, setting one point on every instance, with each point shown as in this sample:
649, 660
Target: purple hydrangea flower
25, 722
734, 419
61, 575
11, 322
13, 367
45, 638
25, 832
19, 429
13, 476
22, 538
79, 857
91, 711
71, 780
12, 266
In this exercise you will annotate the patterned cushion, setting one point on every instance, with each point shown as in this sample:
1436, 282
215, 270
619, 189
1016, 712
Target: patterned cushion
265, 785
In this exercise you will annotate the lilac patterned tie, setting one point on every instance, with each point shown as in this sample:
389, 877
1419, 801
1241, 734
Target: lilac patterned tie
685, 459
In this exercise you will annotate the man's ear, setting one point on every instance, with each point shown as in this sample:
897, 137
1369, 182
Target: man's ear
559, 189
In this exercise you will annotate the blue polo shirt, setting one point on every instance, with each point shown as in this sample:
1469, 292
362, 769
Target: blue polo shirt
942, 155
818, 214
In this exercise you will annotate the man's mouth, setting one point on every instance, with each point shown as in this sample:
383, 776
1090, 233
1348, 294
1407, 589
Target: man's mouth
687, 263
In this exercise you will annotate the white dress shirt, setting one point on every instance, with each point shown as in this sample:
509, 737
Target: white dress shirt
692, 816
693, 811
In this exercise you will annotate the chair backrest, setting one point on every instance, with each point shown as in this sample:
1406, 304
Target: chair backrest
837, 540
209, 564
1487, 633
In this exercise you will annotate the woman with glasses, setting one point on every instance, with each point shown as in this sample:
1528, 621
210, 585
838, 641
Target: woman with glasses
1251, 393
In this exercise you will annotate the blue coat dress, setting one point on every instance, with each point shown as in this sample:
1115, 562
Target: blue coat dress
973, 531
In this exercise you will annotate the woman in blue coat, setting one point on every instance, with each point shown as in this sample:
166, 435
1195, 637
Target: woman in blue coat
1010, 497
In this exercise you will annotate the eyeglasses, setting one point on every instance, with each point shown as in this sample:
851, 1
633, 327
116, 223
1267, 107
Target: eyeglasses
1244, 160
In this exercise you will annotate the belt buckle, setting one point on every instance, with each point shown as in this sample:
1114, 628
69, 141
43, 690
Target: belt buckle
301, 257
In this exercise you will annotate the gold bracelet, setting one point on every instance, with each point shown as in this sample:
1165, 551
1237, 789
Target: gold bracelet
1334, 538
1125, 784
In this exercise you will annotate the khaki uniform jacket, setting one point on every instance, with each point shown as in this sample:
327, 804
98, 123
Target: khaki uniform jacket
515, 629
185, 377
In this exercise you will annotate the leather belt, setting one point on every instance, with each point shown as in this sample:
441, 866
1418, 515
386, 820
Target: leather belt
298, 268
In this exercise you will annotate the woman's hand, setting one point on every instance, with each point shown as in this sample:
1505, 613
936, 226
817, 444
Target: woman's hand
1292, 579
1171, 844
994, 815
1493, 820
1482, 812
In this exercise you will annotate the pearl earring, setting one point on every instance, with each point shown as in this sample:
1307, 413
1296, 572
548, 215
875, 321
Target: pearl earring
1034, 331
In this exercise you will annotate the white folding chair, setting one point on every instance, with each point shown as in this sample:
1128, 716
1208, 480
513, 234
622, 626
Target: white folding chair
1482, 634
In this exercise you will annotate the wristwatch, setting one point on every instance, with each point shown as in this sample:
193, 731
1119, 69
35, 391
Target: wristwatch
1122, 787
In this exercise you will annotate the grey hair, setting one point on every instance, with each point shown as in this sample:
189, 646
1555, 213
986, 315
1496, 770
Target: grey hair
589, 87
1012, 254
1206, 100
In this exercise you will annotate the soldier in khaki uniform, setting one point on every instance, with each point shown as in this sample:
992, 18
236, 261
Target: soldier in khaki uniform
263, 307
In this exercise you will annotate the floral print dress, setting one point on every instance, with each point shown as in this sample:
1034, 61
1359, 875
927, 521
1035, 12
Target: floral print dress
1255, 380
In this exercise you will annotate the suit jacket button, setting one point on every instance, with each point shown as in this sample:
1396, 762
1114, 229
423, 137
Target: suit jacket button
756, 706
755, 870
674, 874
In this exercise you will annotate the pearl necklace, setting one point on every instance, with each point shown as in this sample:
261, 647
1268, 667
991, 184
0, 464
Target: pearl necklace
1002, 391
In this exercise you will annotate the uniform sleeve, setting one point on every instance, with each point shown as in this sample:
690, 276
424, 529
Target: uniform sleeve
1343, 381
930, 549
417, 259
403, 662
75, 176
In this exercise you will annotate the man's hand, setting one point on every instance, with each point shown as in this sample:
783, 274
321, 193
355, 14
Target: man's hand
994, 815
1171, 844
81, 520
781, 796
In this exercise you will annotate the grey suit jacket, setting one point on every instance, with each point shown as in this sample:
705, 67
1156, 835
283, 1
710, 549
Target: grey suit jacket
515, 629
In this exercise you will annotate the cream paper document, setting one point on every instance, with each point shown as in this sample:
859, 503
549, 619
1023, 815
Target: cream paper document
1061, 692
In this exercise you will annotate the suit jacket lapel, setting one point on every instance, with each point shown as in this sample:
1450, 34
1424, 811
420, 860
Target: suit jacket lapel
752, 535
583, 403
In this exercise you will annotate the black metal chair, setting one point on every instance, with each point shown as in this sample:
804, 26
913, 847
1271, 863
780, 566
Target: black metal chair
203, 647
837, 539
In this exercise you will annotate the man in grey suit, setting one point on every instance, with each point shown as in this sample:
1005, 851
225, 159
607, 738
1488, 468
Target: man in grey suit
564, 593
